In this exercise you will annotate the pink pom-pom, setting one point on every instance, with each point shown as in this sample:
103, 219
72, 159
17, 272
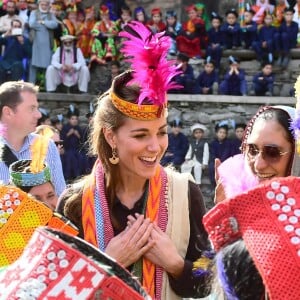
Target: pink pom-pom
236, 176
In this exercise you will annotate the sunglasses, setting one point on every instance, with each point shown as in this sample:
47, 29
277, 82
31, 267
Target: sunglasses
270, 153
59, 143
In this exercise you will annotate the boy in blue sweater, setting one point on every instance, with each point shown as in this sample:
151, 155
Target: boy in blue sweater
263, 81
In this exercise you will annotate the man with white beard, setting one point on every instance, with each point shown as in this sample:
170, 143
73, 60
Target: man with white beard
68, 67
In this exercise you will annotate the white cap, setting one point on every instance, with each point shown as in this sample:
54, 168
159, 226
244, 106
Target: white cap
198, 126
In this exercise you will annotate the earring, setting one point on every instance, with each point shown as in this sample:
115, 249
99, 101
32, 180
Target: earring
114, 160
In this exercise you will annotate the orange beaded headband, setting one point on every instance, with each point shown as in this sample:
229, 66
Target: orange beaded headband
137, 111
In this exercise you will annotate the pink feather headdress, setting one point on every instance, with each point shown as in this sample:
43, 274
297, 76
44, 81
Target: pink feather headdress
151, 71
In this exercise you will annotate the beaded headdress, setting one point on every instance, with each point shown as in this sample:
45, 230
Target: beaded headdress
151, 71
55, 265
20, 214
33, 172
267, 219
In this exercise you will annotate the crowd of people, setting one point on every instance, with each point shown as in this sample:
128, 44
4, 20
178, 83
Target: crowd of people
61, 43
136, 226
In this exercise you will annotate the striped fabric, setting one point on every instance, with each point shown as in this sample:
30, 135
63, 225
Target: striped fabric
52, 159
95, 215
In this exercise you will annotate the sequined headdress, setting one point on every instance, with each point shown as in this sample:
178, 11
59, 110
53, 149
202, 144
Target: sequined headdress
267, 219
151, 71
55, 265
32, 172
20, 214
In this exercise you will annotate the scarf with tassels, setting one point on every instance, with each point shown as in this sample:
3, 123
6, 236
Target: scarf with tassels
98, 228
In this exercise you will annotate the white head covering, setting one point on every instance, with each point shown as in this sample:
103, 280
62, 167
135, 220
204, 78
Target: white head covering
198, 126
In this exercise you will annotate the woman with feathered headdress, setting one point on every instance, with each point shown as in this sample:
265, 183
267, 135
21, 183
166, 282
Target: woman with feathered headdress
148, 218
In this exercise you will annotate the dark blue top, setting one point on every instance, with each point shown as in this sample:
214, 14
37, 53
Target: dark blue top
266, 33
291, 30
221, 150
72, 142
266, 79
230, 29
207, 80
215, 37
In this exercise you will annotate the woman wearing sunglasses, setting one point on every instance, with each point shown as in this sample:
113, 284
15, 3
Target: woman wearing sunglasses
268, 151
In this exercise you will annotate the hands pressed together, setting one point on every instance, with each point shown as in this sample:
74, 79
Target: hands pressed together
144, 238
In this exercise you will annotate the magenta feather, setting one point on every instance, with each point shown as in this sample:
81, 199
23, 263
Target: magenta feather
147, 53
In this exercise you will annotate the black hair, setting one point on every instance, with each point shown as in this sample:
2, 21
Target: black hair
183, 57
238, 274
217, 127
240, 125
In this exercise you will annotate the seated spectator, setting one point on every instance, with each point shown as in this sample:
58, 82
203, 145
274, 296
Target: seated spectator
126, 17
286, 38
248, 29
23, 14
84, 34
45, 118
173, 28
215, 40
17, 49
186, 79
155, 23
70, 22
197, 156
234, 82
280, 6
296, 17
104, 32
5, 21
231, 30
236, 142
67, 67
140, 15
265, 44
207, 81
261, 9
219, 148
202, 14
192, 35
263, 81
177, 148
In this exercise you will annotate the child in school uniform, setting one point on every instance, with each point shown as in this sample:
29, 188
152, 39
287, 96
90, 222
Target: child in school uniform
215, 40
248, 29
197, 156
234, 82
231, 30
173, 27
286, 38
207, 81
265, 44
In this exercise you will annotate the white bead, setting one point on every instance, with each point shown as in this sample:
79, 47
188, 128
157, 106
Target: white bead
293, 220
286, 208
298, 253
15, 195
3, 220
6, 197
285, 189
51, 255
63, 263
8, 203
297, 231
282, 217
291, 201
275, 185
280, 197
295, 240
41, 278
17, 202
270, 195
297, 212
61, 254
53, 275
40, 269
289, 228
51, 267
10, 211
275, 206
